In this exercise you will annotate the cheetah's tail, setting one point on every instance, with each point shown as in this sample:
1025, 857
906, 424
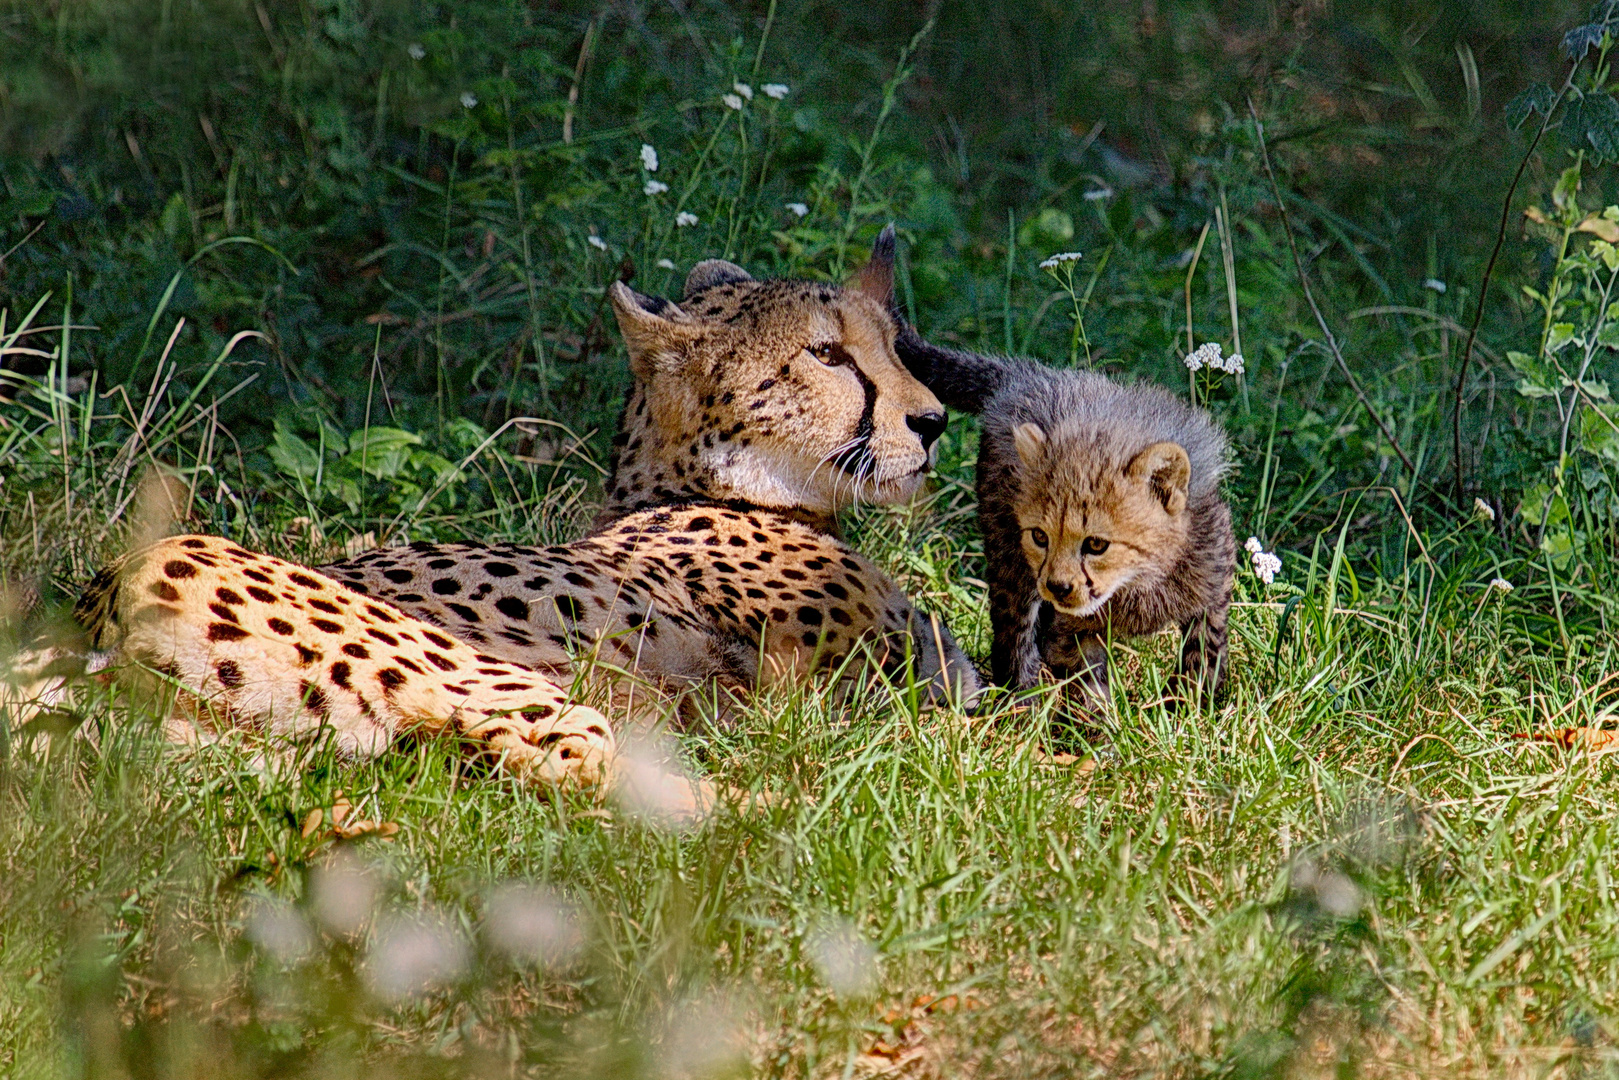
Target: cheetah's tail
962, 380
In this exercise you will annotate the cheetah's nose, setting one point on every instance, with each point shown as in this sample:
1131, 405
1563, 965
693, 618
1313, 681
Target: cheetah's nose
1060, 590
928, 426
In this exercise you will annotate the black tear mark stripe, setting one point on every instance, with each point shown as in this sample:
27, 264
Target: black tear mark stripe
850, 460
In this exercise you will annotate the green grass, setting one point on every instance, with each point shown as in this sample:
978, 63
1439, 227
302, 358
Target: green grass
1350, 865
1353, 865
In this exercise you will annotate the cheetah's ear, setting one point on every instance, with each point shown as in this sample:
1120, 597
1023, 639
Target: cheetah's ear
712, 272
876, 278
1165, 468
1030, 441
656, 331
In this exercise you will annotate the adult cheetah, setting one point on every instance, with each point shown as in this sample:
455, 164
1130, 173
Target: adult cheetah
760, 410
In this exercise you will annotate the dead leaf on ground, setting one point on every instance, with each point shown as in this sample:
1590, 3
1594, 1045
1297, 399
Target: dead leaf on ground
343, 825
1596, 740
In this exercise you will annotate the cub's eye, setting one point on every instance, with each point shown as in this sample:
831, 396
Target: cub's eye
1039, 537
1092, 545
826, 352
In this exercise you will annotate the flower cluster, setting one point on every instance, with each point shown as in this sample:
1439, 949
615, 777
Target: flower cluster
649, 157
1501, 585
744, 89
1208, 355
655, 187
775, 91
1483, 510
798, 209
732, 101
685, 218
1060, 258
469, 100
597, 242
1266, 564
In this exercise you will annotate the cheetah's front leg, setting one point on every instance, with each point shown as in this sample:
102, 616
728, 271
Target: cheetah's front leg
1203, 650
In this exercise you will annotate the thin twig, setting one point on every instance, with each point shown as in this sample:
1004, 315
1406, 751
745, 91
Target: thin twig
1489, 270
1304, 283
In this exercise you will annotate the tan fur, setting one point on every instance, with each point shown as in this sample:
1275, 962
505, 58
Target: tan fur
253, 642
756, 416
782, 395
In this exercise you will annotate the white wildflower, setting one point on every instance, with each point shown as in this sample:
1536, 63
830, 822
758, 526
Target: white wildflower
1483, 510
276, 927
655, 187
1098, 194
649, 157
1435, 284
844, 959
597, 242
732, 101
533, 925
413, 954
775, 90
344, 893
1233, 364
1266, 564
744, 89
666, 264
1205, 355
1501, 584
1060, 258
685, 218
798, 209
416, 51
469, 100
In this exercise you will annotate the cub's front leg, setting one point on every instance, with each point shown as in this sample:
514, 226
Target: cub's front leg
1080, 654
1204, 650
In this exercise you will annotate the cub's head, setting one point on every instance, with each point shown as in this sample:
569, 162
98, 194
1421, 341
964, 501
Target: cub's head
784, 394
1095, 520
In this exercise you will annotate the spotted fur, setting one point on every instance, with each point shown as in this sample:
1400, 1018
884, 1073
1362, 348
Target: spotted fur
759, 410
252, 642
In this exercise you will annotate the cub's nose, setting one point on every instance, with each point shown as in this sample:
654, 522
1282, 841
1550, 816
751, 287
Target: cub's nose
1060, 590
928, 426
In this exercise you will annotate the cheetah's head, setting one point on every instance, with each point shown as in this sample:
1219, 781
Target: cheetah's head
785, 394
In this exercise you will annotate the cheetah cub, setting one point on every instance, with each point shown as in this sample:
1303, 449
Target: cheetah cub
1101, 515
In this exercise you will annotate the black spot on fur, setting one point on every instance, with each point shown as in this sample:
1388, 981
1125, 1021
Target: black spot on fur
280, 626
398, 577
174, 568
230, 676
359, 652
446, 586
438, 639
390, 679
512, 608
229, 596
220, 631
263, 596
164, 591
340, 674
306, 581
326, 626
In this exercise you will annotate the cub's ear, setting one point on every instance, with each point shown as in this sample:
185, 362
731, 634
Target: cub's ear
1030, 441
1166, 470
656, 331
876, 278
712, 272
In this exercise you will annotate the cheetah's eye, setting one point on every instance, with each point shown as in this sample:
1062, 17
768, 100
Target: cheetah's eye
1040, 538
827, 353
1092, 545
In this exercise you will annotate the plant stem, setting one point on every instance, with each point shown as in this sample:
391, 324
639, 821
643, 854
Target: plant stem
1489, 271
1304, 283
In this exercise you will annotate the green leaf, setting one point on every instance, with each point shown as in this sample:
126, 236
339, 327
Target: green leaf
1538, 99
1568, 186
1593, 122
1561, 334
292, 455
1531, 389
